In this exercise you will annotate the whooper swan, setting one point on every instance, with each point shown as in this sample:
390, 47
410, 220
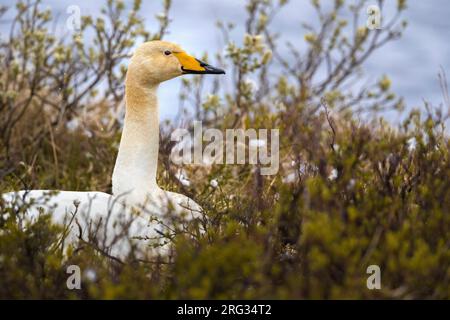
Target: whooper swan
134, 176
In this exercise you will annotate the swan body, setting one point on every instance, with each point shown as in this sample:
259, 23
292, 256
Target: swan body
113, 221
136, 198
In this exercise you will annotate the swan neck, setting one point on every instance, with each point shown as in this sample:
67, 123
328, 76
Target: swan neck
136, 165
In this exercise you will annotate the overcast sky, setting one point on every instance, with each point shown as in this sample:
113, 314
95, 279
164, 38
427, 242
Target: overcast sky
412, 62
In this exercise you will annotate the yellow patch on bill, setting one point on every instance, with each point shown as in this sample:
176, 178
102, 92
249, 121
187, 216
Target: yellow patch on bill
188, 62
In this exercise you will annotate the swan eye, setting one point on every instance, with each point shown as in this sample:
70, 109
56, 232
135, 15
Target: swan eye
167, 52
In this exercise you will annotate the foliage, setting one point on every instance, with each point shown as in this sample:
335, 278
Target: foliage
349, 193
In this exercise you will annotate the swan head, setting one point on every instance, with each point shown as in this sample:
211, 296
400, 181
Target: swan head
157, 61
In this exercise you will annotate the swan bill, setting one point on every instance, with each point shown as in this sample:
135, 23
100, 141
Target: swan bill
191, 65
